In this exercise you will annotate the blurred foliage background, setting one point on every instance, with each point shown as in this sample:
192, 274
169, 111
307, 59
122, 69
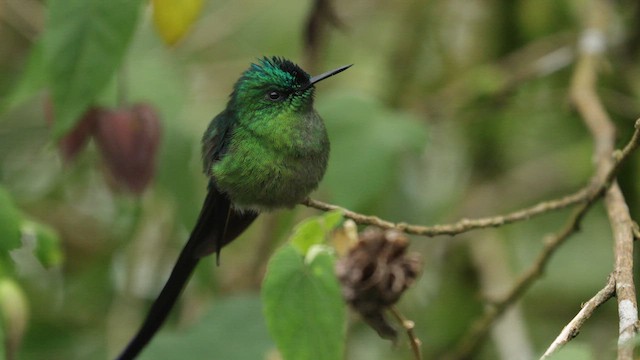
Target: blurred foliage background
454, 108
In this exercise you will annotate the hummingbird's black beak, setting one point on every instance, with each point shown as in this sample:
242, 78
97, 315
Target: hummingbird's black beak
330, 73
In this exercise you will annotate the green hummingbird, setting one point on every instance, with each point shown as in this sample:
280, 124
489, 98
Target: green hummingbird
268, 149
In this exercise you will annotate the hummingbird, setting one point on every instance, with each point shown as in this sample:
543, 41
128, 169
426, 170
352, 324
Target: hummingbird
267, 149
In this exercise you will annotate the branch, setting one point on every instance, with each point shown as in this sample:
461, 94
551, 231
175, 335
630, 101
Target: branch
572, 329
480, 328
587, 196
408, 326
461, 226
594, 188
588, 104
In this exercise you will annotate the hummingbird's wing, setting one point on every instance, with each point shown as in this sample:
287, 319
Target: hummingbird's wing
229, 224
215, 140
229, 221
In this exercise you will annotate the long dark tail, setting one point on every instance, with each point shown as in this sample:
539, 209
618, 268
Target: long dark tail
218, 224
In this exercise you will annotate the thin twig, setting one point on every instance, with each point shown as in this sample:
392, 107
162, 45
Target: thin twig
461, 226
572, 329
590, 107
607, 167
465, 225
480, 328
587, 195
408, 325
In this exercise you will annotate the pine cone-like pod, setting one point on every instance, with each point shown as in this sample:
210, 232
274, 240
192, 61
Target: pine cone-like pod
375, 273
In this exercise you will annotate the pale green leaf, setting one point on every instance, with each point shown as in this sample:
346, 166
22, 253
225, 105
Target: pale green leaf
307, 233
332, 219
303, 306
314, 230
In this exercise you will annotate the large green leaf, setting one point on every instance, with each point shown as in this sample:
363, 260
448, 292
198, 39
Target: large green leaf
232, 329
84, 43
302, 304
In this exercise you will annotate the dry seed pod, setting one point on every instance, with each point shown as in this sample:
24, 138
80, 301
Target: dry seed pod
375, 273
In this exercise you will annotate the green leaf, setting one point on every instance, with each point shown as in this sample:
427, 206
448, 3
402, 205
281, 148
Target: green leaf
231, 329
303, 305
313, 230
332, 219
84, 43
307, 233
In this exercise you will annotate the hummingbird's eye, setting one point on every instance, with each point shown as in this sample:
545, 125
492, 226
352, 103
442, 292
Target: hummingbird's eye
274, 96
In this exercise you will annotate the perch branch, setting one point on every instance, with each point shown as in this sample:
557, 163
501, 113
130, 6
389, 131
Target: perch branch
572, 329
607, 166
594, 188
603, 183
480, 328
590, 107
586, 197
408, 326
461, 226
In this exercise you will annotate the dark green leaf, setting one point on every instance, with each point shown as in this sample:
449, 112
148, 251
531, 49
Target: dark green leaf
303, 306
84, 43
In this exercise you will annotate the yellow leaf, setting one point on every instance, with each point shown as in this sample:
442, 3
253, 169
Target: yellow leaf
173, 18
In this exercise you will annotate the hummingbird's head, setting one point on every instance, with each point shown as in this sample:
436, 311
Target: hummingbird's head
276, 85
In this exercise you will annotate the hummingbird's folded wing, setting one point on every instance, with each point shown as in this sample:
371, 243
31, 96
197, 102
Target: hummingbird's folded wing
216, 139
